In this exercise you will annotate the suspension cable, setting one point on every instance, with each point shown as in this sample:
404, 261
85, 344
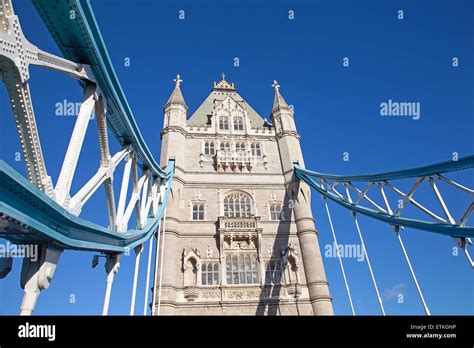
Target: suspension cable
339, 255
157, 254
162, 260
138, 252
399, 237
368, 263
150, 252
108, 290
111, 265
397, 231
469, 259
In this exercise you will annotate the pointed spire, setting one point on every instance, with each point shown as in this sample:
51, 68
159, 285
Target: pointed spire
279, 103
176, 97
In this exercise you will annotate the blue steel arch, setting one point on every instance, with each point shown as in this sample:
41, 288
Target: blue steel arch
42, 220
453, 230
39, 218
80, 40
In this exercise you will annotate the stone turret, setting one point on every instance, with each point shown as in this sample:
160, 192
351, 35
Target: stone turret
290, 151
172, 135
232, 244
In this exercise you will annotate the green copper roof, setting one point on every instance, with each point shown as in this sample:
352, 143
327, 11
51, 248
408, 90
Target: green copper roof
202, 116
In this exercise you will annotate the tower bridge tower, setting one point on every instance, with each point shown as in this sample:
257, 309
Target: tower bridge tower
240, 236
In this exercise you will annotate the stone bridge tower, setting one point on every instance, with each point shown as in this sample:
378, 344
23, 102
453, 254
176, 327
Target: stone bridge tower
240, 236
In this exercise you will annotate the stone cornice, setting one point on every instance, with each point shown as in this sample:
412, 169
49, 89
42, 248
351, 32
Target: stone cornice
218, 136
288, 133
178, 129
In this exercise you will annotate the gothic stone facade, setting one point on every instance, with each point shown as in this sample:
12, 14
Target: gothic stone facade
240, 237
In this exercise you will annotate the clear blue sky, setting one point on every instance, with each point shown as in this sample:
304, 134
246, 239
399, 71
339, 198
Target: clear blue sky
337, 110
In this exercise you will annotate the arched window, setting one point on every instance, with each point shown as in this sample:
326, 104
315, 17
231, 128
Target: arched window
238, 124
223, 123
240, 148
225, 147
256, 149
237, 205
209, 148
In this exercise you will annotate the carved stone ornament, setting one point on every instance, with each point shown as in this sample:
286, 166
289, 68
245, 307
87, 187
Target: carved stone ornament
245, 242
294, 290
290, 251
243, 294
193, 253
191, 293
209, 295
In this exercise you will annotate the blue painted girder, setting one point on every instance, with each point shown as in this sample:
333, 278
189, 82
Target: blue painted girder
436, 227
30, 217
438, 168
80, 40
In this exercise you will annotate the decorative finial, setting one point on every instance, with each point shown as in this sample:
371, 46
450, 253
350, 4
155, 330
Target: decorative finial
223, 84
178, 80
276, 85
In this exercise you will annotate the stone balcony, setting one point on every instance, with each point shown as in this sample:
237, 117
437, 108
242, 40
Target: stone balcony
228, 224
239, 233
233, 161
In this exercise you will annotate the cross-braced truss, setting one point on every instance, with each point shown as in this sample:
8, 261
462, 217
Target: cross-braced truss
37, 211
150, 183
347, 192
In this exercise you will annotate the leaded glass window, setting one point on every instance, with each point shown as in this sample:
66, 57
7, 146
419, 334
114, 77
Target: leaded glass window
209, 148
237, 205
242, 268
238, 124
256, 149
223, 123
198, 211
240, 148
225, 147
275, 211
274, 272
210, 273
